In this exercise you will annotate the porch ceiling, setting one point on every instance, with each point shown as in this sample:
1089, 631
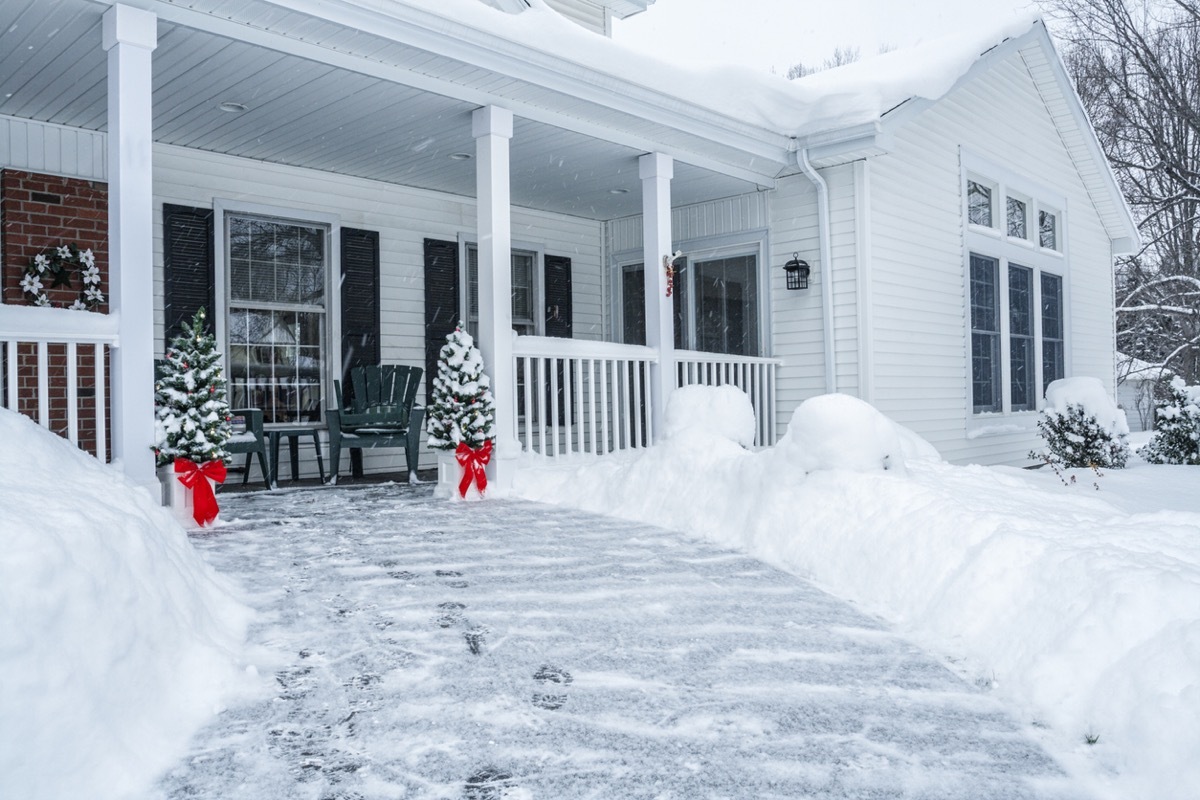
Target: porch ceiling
305, 113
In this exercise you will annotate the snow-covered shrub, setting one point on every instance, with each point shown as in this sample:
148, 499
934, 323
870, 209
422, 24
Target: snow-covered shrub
723, 411
837, 431
461, 408
190, 409
1082, 427
1177, 434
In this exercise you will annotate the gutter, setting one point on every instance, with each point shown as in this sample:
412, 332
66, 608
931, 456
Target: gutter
826, 250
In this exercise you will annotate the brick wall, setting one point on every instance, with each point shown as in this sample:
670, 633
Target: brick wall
38, 212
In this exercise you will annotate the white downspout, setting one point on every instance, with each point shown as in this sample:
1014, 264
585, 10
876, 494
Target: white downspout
826, 268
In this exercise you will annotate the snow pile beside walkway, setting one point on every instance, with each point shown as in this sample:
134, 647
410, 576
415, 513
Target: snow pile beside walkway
1084, 616
118, 641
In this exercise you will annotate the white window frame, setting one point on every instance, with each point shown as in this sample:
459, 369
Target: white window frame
710, 248
994, 242
468, 240
223, 207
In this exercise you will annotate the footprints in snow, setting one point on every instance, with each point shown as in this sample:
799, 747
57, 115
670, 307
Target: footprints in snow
551, 677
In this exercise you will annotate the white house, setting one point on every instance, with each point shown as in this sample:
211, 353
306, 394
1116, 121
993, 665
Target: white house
339, 179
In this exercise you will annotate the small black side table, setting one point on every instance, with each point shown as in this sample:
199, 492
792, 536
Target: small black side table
293, 436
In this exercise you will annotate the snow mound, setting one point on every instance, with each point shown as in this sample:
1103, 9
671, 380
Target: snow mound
1092, 396
118, 640
722, 411
837, 431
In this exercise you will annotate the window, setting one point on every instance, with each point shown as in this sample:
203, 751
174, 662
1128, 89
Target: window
979, 204
1015, 289
725, 307
277, 316
524, 291
985, 335
1048, 230
1022, 377
715, 302
1018, 218
633, 304
1053, 359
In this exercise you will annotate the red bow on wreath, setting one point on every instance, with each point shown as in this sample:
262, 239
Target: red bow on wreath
195, 477
473, 463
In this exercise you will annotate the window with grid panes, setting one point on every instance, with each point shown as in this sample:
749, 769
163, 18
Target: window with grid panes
524, 291
277, 316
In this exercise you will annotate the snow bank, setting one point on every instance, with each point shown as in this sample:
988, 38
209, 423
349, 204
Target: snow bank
721, 411
1092, 396
837, 431
118, 641
1083, 615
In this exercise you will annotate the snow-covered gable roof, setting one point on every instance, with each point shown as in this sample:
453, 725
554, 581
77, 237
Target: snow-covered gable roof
835, 105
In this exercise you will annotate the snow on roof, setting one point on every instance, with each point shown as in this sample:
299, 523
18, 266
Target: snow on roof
843, 97
1130, 368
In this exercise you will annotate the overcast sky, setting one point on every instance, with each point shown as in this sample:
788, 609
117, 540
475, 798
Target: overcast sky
774, 34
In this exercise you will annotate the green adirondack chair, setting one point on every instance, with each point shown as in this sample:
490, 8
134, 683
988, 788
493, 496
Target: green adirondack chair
376, 409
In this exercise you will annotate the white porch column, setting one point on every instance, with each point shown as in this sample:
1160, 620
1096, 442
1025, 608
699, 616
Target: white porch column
656, 171
130, 35
493, 128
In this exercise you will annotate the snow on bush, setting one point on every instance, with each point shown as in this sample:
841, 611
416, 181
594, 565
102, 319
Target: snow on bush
1082, 616
118, 641
1177, 433
722, 411
1082, 426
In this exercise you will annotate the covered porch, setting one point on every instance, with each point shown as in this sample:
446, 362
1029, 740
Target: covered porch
353, 139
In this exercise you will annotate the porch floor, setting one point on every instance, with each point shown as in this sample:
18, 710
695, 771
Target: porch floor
513, 650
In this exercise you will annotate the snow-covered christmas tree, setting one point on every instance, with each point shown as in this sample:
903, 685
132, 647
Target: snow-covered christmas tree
191, 412
1177, 430
462, 408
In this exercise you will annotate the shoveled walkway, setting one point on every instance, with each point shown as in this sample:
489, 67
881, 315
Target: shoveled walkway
512, 650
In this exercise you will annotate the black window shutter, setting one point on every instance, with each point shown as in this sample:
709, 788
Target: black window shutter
558, 297
360, 299
441, 303
187, 266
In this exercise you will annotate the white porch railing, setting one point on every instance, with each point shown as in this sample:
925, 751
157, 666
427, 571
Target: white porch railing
755, 376
54, 369
579, 396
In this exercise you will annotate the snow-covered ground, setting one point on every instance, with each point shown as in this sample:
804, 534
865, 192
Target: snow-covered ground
510, 649
116, 640
1079, 606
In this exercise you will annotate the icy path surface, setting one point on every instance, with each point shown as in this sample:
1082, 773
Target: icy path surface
514, 650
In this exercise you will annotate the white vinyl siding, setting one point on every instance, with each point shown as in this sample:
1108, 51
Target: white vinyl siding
403, 216
921, 313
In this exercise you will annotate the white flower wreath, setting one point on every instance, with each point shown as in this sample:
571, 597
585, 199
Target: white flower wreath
57, 266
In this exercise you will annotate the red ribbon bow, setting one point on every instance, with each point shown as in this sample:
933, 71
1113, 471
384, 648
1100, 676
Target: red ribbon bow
473, 463
195, 477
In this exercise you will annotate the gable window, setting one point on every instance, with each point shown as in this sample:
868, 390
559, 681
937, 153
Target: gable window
525, 287
277, 320
1015, 289
1023, 380
1053, 356
1048, 229
1018, 218
985, 334
979, 203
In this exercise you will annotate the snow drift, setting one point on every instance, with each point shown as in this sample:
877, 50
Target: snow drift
118, 641
1082, 615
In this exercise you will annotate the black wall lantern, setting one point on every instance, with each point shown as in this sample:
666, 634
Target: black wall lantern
797, 272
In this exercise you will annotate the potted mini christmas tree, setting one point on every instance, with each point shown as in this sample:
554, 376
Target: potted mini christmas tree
461, 418
192, 420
